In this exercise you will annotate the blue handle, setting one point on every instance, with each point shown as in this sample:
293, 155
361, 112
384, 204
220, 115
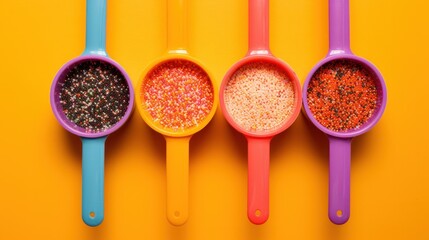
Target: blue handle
95, 27
93, 180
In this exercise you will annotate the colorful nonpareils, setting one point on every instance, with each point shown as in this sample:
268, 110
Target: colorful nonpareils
342, 95
259, 97
177, 94
94, 95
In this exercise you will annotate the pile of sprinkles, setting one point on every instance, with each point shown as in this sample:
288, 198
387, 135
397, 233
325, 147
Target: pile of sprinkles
178, 94
342, 95
259, 97
94, 95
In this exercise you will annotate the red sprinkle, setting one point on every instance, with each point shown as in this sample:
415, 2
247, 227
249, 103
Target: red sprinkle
342, 95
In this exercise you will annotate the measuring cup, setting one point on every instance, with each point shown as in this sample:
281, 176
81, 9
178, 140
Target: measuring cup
340, 140
92, 140
259, 55
169, 100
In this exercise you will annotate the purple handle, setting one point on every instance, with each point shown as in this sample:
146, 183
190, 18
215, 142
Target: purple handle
339, 27
339, 179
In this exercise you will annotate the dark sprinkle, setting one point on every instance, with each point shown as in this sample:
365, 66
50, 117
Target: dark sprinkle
94, 95
339, 74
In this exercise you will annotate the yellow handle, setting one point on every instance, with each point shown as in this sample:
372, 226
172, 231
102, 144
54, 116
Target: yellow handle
177, 31
177, 179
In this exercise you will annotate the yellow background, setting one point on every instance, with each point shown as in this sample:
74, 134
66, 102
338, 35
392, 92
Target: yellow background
40, 172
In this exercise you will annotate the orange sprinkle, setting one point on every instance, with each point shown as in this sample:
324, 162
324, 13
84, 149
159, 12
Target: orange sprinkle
178, 94
342, 95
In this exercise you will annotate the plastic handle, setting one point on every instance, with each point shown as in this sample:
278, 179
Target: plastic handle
93, 180
258, 27
177, 179
339, 179
258, 179
95, 27
339, 27
177, 31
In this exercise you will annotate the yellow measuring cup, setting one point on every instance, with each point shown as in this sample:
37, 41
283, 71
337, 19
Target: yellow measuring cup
176, 97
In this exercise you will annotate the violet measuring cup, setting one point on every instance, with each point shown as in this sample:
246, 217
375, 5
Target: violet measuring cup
260, 97
344, 96
92, 96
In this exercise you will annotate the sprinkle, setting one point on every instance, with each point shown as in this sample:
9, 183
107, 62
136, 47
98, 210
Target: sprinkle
94, 95
259, 97
177, 94
342, 95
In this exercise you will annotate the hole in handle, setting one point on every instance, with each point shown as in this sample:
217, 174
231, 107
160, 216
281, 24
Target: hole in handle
258, 213
176, 213
92, 214
339, 213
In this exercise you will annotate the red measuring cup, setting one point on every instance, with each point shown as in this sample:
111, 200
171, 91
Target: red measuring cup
260, 96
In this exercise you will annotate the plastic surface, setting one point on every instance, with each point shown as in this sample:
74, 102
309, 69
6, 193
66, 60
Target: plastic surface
259, 35
258, 142
95, 27
177, 179
92, 143
340, 142
258, 179
177, 141
173, 54
57, 108
177, 28
339, 27
339, 179
93, 180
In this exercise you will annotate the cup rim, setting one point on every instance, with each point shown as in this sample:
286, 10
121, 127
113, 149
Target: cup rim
382, 95
171, 56
292, 78
57, 108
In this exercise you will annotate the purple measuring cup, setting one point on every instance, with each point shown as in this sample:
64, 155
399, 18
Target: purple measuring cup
108, 103
340, 140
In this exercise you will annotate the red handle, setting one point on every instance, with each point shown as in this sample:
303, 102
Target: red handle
258, 27
258, 179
